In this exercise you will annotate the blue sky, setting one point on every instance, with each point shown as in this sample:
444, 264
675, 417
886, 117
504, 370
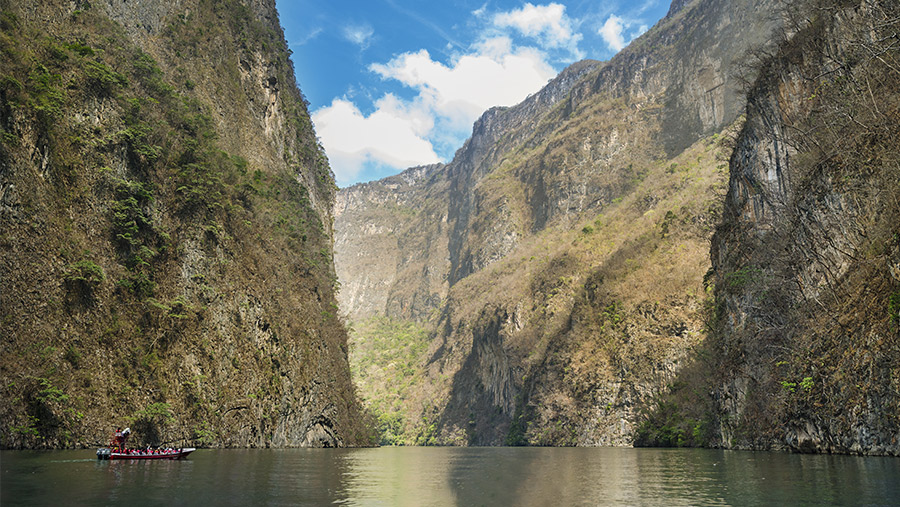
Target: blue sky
398, 83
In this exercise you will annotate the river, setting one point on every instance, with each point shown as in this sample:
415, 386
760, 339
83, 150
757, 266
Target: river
422, 476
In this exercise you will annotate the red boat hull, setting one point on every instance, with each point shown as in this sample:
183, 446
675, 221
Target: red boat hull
174, 454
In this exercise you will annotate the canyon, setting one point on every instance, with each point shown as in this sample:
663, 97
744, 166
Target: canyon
648, 251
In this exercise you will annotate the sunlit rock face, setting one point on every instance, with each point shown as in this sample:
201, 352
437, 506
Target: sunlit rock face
558, 260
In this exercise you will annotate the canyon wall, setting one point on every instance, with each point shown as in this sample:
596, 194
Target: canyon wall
557, 263
165, 232
807, 258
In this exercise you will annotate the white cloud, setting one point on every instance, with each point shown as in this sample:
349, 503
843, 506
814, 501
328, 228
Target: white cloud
392, 135
647, 5
611, 31
315, 32
449, 98
547, 23
361, 35
494, 75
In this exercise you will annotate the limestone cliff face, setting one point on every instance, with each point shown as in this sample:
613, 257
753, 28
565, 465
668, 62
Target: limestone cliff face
676, 83
398, 240
391, 245
807, 259
559, 258
165, 232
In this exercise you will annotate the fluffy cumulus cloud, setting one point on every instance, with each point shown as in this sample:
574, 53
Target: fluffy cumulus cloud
612, 32
393, 135
617, 32
548, 23
449, 98
494, 75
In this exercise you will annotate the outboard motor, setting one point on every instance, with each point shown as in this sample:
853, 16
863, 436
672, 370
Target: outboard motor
104, 453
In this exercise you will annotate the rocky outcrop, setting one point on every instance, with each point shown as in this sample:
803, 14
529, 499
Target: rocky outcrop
165, 232
391, 245
803, 258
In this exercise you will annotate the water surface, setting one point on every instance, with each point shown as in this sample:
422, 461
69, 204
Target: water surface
451, 476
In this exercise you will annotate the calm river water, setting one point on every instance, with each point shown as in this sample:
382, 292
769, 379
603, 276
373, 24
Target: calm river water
451, 476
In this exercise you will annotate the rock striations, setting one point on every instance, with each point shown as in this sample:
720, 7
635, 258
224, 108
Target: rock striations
165, 231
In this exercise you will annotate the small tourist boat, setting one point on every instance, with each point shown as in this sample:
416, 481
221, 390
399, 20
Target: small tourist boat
117, 453
118, 450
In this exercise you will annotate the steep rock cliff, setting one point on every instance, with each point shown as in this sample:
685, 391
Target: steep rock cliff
165, 231
568, 246
807, 259
391, 245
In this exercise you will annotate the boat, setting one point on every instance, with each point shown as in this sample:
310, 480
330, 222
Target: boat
122, 453
119, 450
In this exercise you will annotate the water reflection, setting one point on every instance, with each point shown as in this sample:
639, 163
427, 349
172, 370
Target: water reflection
609, 476
451, 476
544, 476
397, 476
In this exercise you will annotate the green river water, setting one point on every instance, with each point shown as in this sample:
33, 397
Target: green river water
422, 476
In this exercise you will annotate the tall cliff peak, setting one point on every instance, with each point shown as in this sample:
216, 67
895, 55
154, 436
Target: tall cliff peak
676, 7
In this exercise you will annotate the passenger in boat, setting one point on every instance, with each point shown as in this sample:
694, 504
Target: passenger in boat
118, 438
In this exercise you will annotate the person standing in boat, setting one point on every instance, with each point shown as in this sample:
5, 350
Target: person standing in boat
119, 439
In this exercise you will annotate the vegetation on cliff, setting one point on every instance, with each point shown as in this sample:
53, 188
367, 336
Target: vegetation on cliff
803, 345
387, 367
165, 232
558, 261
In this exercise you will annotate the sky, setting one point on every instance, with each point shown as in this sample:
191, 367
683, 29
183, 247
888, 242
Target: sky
394, 84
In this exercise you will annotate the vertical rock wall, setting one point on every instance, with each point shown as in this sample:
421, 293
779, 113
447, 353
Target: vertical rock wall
807, 316
166, 218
